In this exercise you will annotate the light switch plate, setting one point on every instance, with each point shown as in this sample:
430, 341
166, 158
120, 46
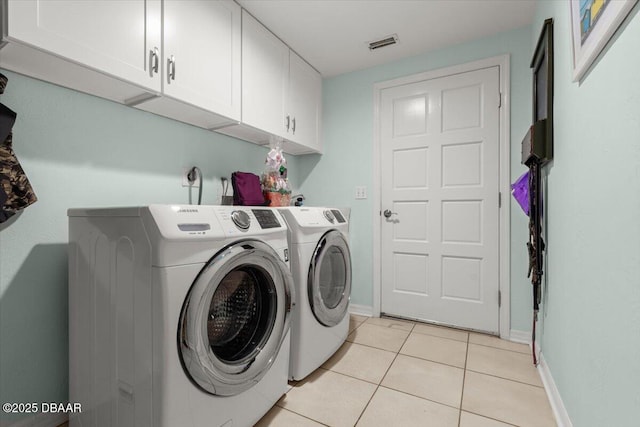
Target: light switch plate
361, 192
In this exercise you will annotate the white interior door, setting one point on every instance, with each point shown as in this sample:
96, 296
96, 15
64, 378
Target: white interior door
439, 142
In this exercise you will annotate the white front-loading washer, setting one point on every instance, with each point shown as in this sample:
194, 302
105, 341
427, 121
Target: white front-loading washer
321, 268
178, 315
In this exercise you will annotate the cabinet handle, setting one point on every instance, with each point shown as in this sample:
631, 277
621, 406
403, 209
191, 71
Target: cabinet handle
288, 122
293, 127
153, 61
171, 67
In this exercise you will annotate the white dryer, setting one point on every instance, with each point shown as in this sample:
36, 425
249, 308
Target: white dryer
321, 268
178, 315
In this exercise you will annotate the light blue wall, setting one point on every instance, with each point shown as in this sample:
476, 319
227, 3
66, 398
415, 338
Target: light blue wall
78, 150
348, 158
591, 333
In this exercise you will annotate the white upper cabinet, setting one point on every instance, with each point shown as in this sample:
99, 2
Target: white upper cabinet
204, 40
201, 63
180, 59
304, 103
281, 93
265, 77
116, 38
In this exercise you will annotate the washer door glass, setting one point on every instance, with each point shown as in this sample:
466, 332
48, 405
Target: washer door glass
241, 314
329, 282
235, 318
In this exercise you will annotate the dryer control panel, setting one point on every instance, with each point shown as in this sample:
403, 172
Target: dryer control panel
338, 215
314, 216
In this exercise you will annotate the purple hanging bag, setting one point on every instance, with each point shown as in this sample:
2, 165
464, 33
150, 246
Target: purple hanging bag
520, 191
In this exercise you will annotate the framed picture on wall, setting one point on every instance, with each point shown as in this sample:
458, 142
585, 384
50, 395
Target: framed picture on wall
593, 22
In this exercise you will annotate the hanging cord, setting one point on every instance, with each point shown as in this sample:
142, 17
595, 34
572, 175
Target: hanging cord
535, 246
192, 176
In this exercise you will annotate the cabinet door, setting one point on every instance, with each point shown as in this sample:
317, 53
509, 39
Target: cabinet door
305, 103
203, 39
265, 75
114, 37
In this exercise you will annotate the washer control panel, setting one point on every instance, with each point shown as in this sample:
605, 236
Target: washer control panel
241, 219
266, 218
185, 222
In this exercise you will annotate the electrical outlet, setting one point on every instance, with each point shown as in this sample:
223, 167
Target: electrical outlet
361, 192
185, 178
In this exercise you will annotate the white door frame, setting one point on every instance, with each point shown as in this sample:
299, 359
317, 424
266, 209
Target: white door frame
504, 241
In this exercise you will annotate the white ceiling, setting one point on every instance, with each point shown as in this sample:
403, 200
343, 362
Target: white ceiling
333, 35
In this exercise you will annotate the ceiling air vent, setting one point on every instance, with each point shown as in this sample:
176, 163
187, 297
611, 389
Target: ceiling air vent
386, 41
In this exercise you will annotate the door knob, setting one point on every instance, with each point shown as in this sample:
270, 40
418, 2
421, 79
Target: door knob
387, 213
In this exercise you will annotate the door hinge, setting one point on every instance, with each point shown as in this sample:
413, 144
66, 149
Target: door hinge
499, 299
499, 199
499, 99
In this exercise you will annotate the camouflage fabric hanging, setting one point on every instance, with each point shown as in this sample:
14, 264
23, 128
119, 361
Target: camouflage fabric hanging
15, 190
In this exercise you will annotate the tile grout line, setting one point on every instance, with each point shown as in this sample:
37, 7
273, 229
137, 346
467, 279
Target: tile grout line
304, 416
389, 327
377, 348
505, 378
468, 342
419, 397
429, 334
500, 348
491, 418
435, 361
389, 387
455, 329
438, 336
346, 375
464, 376
382, 379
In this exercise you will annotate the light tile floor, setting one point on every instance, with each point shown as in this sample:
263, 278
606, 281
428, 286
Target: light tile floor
395, 373
399, 373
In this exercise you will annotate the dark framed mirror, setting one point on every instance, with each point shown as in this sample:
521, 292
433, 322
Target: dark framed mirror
542, 65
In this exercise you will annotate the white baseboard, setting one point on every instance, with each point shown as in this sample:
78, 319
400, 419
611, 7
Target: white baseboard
361, 310
559, 411
40, 420
523, 337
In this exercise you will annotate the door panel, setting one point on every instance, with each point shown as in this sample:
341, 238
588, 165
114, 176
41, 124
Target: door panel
439, 170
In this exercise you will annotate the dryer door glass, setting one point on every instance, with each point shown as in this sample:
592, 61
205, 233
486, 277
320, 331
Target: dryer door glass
235, 318
333, 275
329, 281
